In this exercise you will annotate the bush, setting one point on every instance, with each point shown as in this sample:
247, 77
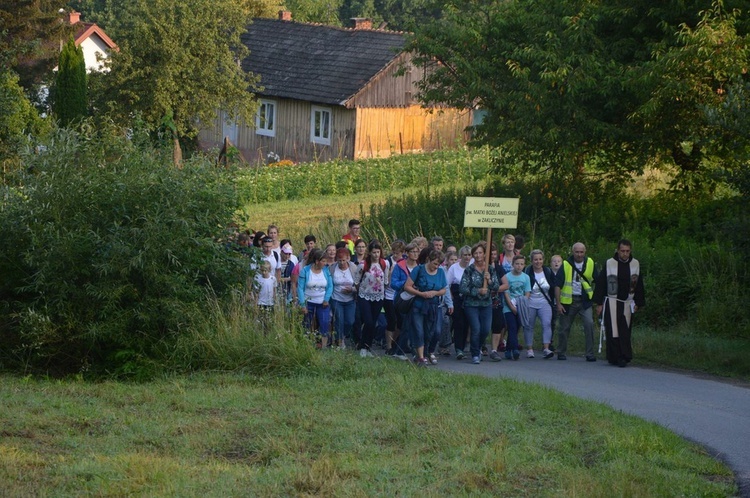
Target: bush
109, 253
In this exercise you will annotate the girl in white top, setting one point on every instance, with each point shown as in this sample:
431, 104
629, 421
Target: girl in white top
540, 303
373, 280
266, 285
344, 274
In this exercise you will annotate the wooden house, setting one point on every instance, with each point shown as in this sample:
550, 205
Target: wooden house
330, 92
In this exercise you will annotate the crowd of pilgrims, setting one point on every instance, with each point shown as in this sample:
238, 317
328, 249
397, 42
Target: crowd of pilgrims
418, 300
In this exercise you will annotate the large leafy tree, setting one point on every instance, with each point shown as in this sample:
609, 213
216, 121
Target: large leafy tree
70, 102
30, 36
407, 15
106, 13
322, 11
580, 82
178, 63
18, 119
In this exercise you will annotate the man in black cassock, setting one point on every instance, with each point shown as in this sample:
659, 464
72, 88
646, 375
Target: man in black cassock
619, 293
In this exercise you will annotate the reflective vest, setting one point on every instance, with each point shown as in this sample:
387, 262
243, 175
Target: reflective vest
566, 293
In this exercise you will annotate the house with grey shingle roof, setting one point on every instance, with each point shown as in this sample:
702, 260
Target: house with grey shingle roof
330, 92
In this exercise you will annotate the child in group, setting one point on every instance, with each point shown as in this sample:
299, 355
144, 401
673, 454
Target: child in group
555, 263
515, 306
265, 283
450, 259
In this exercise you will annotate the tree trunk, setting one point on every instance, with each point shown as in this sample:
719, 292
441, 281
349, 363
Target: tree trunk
177, 152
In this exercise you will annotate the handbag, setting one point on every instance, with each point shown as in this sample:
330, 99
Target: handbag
404, 301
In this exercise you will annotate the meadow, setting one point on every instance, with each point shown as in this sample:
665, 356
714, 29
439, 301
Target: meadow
343, 428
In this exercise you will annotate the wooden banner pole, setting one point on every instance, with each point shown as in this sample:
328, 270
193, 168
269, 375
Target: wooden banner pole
487, 254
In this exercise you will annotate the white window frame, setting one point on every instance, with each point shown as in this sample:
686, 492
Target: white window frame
266, 127
321, 135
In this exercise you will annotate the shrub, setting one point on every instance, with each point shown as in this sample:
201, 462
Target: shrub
109, 252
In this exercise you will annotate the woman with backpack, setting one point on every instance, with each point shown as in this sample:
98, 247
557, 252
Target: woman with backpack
398, 279
427, 283
541, 304
373, 280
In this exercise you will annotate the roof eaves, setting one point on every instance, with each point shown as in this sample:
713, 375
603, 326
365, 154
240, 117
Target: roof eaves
94, 29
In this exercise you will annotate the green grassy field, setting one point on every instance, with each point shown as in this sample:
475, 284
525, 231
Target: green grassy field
351, 428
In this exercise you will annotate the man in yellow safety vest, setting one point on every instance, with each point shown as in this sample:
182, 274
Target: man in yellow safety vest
574, 293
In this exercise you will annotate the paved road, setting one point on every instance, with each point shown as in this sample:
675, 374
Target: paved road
715, 414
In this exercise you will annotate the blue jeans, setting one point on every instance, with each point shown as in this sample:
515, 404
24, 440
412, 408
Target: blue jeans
422, 328
479, 318
404, 336
343, 313
513, 323
321, 314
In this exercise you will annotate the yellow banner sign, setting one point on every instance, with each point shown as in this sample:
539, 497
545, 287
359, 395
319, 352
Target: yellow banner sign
491, 212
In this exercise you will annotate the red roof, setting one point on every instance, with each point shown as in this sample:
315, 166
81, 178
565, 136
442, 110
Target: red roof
86, 29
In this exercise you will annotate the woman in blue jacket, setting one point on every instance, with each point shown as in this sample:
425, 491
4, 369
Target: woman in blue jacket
314, 290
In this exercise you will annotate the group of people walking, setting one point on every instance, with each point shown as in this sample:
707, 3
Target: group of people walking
432, 299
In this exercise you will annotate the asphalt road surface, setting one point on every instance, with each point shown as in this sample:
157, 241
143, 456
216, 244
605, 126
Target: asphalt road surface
711, 412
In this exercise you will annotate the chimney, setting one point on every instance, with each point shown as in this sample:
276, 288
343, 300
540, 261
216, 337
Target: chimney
74, 17
285, 15
362, 23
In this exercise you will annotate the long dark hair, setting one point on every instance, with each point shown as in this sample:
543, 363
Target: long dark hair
368, 260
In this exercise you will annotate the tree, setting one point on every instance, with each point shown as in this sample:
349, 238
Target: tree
70, 96
30, 35
105, 12
322, 11
178, 59
357, 8
407, 15
700, 79
580, 82
18, 119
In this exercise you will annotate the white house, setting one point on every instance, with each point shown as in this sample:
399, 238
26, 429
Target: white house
92, 39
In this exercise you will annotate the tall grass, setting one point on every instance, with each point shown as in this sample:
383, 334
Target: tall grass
235, 336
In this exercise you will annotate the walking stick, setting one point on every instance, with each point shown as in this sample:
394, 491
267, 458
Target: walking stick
601, 324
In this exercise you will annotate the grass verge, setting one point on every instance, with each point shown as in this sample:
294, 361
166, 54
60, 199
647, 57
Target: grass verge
348, 428
682, 347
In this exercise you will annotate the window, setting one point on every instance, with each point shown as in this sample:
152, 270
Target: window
320, 125
265, 120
